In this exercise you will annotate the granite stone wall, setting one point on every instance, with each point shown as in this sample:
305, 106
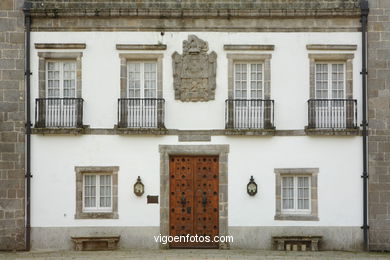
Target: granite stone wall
12, 122
12, 103
379, 123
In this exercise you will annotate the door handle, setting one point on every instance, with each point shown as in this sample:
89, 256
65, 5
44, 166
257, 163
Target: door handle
183, 201
204, 200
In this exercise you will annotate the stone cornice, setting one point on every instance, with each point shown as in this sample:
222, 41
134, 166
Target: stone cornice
142, 47
199, 133
183, 8
332, 47
194, 13
290, 19
60, 45
248, 47
205, 15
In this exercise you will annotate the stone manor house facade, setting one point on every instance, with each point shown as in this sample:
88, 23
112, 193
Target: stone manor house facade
256, 119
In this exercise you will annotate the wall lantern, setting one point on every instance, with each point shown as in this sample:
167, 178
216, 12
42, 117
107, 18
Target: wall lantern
251, 188
139, 188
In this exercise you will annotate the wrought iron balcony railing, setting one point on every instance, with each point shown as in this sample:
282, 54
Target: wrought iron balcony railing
141, 113
59, 112
249, 114
332, 113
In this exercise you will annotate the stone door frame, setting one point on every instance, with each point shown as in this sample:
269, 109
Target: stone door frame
219, 150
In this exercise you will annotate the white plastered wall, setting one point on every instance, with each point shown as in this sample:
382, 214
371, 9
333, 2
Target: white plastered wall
338, 158
289, 73
339, 188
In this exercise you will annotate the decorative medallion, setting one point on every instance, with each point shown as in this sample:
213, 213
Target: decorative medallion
194, 71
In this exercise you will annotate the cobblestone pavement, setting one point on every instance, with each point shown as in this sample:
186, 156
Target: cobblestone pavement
192, 254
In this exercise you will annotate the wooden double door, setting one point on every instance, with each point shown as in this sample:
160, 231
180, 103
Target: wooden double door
193, 201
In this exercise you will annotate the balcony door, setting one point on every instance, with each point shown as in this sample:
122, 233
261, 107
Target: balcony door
142, 94
60, 100
331, 110
248, 95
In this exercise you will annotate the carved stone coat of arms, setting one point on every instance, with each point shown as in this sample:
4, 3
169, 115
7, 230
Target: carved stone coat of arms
194, 71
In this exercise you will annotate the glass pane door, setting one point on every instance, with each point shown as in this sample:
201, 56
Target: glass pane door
142, 93
248, 95
61, 92
330, 109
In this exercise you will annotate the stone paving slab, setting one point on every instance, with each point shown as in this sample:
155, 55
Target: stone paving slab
192, 254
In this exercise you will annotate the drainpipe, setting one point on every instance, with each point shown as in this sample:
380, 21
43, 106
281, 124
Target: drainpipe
364, 14
27, 73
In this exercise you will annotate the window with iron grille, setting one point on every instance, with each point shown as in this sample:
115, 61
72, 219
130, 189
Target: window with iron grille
248, 105
331, 104
249, 91
59, 104
141, 104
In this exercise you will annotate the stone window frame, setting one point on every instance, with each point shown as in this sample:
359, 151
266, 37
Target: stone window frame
346, 58
110, 170
290, 172
126, 57
220, 150
47, 56
240, 57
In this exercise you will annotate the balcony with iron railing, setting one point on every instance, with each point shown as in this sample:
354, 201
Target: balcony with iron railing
59, 113
242, 116
332, 114
141, 113
249, 114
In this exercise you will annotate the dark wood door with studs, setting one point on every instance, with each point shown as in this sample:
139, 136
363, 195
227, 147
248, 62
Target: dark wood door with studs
193, 201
